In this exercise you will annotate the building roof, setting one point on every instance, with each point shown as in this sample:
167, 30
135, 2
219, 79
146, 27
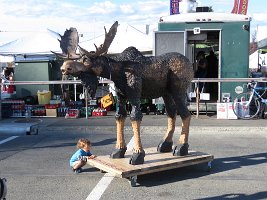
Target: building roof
262, 44
205, 17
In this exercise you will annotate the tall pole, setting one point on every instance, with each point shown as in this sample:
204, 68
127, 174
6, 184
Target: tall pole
86, 102
0, 102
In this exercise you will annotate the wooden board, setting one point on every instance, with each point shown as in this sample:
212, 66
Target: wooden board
154, 162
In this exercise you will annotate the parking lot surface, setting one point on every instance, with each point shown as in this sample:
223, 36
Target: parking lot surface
37, 166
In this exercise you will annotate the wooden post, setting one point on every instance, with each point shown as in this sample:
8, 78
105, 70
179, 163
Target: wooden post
197, 99
0, 102
86, 103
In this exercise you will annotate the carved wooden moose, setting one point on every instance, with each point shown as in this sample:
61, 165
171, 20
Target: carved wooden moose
135, 77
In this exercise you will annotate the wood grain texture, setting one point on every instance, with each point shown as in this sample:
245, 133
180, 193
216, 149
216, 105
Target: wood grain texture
154, 162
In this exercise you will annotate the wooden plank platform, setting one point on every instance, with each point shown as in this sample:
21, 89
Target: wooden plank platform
154, 162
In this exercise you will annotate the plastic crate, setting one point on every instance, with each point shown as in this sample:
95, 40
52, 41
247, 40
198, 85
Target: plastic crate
44, 97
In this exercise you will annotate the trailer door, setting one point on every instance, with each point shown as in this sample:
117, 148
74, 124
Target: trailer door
169, 42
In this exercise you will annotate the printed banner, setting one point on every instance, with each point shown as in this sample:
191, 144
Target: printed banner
174, 7
243, 7
235, 8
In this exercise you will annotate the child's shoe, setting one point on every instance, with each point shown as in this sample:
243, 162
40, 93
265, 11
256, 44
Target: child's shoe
77, 171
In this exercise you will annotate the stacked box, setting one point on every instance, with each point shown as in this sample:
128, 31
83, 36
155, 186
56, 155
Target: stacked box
51, 112
97, 113
72, 113
225, 111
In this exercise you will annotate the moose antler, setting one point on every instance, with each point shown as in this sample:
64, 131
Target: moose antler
103, 48
68, 44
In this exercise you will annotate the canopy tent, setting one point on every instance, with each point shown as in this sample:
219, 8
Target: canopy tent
254, 60
6, 59
35, 46
126, 36
38, 46
261, 37
262, 44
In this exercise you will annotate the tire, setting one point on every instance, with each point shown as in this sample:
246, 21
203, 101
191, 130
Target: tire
244, 111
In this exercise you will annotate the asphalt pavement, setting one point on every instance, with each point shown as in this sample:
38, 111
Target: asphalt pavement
148, 120
36, 166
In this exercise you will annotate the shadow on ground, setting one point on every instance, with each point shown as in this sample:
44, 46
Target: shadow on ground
200, 170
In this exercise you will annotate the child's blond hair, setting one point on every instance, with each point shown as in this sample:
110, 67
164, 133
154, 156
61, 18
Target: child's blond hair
83, 143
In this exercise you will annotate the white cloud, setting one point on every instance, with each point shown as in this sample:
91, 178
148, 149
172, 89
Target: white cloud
105, 7
88, 17
127, 9
261, 17
152, 6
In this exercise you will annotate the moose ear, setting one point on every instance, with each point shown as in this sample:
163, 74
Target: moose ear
87, 62
97, 70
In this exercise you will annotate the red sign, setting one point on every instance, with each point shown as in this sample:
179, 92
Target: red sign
240, 7
235, 8
243, 7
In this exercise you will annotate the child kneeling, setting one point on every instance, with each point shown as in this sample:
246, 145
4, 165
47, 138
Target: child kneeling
79, 158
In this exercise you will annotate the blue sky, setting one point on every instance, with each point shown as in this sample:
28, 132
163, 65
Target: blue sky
89, 16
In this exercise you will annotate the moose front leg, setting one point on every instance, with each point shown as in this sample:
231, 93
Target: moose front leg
136, 118
120, 116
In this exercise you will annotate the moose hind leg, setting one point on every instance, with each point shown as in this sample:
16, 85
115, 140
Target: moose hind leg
183, 111
166, 144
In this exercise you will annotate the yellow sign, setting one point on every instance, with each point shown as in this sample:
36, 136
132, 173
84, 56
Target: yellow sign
107, 100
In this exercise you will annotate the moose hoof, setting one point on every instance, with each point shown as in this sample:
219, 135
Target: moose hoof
137, 158
118, 153
182, 151
164, 146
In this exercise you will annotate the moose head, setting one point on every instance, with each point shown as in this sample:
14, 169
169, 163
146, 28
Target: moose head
82, 64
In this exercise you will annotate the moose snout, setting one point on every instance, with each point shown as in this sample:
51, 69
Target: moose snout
63, 71
66, 70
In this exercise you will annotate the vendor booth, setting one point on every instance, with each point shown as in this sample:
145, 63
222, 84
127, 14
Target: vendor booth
227, 35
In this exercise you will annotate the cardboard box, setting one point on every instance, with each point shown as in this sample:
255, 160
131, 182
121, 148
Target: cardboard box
73, 113
225, 111
95, 113
205, 96
222, 111
230, 111
51, 112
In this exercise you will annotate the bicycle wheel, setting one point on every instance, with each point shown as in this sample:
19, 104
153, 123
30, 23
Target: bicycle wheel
244, 108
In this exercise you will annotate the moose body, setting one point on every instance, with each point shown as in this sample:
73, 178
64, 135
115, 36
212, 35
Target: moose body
157, 73
135, 77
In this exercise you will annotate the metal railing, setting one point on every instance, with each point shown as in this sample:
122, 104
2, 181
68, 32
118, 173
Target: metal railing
196, 81
220, 80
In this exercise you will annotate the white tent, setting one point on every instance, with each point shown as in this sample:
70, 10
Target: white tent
37, 46
254, 60
6, 59
126, 36
37, 43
